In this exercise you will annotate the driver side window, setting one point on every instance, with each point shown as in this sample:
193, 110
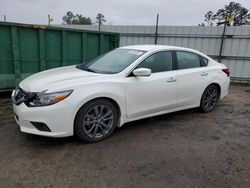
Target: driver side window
158, 62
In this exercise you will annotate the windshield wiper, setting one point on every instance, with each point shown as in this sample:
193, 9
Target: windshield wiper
84, 67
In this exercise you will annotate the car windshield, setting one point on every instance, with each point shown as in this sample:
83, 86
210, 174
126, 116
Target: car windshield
112, 62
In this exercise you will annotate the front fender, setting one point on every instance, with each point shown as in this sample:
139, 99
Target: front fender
81, 96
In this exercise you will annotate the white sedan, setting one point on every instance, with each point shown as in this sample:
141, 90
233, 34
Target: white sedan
129, 83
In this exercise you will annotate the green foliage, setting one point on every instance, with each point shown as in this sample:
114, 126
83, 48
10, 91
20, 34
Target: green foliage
78, 19
241, 15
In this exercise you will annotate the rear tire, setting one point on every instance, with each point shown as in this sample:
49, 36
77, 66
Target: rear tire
209, 98
96, 120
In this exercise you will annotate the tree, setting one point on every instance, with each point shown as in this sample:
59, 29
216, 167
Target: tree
202, 24
77, 19
100, 19
239, 15
68, 18
209, 18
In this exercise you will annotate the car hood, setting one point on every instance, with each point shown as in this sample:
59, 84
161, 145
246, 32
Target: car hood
56, 78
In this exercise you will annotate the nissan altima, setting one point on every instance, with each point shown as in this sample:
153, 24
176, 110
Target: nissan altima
129, 83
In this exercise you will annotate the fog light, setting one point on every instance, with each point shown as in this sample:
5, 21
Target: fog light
41, 126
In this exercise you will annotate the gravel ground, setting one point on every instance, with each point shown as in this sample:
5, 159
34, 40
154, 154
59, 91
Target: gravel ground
184, 149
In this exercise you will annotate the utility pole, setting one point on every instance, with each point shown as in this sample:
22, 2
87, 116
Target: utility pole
50, 19
226, 23
99, 22
4, 18
222, 41
100, 19
156, 29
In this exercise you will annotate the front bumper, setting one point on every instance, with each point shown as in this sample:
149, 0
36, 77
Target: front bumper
58, 117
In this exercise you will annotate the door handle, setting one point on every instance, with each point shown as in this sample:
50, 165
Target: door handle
204, 74
171, 79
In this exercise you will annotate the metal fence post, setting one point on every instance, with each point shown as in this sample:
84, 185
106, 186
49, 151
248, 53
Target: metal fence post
16, 54
42, 50
64, 48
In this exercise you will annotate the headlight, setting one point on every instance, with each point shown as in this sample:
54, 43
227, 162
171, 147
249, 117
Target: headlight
45, 99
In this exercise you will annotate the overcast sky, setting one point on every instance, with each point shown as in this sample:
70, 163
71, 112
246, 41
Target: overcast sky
117, 12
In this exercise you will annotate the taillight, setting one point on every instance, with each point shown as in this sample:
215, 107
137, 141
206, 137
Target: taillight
226, 71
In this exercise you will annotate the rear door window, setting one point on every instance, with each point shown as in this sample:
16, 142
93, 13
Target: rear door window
187, 60
204, 61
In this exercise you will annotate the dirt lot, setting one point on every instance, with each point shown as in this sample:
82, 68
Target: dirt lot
184, 149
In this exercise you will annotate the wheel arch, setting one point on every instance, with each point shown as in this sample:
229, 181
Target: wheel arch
113, 101
218, 86
213, 83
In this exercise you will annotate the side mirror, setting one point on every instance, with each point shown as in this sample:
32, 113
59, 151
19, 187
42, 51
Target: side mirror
142, 72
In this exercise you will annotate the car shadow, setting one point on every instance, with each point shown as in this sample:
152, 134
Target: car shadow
159, 118
50, 141
5, 94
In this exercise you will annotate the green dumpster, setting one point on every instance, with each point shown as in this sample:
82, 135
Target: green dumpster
26, 49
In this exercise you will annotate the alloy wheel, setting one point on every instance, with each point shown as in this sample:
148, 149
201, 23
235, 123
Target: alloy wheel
210, 98
98, 121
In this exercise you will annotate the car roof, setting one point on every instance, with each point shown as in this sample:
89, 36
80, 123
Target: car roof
158, 47
146, 47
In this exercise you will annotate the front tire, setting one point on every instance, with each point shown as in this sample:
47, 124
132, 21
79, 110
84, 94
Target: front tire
96, 120
209, 98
